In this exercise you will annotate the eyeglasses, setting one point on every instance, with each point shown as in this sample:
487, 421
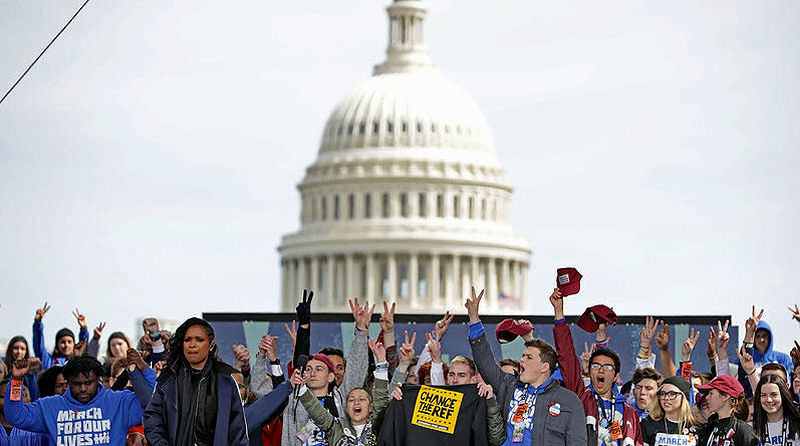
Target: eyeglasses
669, 396
606, 367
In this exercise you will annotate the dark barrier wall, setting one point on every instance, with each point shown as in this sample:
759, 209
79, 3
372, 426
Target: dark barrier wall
336, 330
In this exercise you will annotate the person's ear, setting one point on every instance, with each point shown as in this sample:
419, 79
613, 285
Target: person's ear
331, 377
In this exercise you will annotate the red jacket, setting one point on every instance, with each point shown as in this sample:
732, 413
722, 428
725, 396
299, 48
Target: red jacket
571, 371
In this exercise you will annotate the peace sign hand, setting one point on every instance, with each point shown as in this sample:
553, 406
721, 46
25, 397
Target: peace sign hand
40, 312
795, 312
81, 318
442, 325
387, 318
751, 324
98, 331
688, 345
304, 308
407, 349
472, 305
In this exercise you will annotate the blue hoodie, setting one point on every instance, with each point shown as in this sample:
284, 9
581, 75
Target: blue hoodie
105, 419
767, 357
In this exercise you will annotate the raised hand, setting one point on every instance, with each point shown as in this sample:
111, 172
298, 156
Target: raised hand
472, 305
795, 313
267, 347
746, 361
40, 312
723, 339
80, 348
751, 324
299, 378
20, 368
35, 363
377, 349
434, 347
134, 359
407, 349
485, 390
585, 356
688, 345
387, 318
647, 333
304, 308
557, 301
397, 393
81, 318
150, 325
529, 335
795, 354
98, 331
361, 315
662, 337
292, 332
442, 325
711, 348
242, 356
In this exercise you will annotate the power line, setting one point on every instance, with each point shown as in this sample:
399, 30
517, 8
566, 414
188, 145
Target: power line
40, 54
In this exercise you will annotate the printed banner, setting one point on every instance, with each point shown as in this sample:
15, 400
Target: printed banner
437, 409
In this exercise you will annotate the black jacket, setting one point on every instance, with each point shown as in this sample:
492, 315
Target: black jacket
727, 432
470, 427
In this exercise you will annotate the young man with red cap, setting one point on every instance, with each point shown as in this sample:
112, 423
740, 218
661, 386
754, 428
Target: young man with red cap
725, 396
298, 429
536, 408
610, 420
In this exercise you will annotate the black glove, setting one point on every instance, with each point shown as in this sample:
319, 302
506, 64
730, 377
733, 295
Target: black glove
304, 308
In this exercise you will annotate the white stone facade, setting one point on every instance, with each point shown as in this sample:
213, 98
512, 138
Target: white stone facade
406, 200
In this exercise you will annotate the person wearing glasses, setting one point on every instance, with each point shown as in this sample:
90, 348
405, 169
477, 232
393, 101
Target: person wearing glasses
671, 420
610, 420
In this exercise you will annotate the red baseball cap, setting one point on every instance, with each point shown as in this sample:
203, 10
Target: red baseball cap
568, 281
725, 384
591, 319
509, 329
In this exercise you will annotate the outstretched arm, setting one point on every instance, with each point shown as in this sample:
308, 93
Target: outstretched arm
565, 347
357, 359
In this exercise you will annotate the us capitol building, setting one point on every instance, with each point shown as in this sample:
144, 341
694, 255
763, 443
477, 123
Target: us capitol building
406, 200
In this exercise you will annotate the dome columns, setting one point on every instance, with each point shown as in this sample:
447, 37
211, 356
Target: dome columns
419, 281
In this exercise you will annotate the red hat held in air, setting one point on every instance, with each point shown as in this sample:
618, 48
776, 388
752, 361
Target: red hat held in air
591, 319
509, 329
568, 281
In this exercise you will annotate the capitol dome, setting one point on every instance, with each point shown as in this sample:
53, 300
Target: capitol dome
406, 200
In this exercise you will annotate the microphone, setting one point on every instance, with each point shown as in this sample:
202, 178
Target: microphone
302, 361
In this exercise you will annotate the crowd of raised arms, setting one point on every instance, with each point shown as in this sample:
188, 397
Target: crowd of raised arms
174, 389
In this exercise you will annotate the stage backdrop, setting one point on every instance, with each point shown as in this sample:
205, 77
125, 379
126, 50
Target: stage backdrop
336, 330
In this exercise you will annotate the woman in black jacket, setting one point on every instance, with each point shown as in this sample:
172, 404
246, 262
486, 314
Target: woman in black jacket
725, 397
196, 401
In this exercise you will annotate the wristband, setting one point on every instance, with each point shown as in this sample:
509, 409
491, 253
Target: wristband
245, 368
405, 363
563, 319
748, 374
155, 336
381, 366
275, 362
747, 345
640, 356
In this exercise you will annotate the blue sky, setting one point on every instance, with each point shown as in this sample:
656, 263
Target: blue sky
148, 162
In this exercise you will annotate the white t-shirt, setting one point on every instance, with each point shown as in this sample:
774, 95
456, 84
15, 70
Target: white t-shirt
775, 435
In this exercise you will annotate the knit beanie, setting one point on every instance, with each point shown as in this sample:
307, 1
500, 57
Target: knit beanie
680, 383
65, 332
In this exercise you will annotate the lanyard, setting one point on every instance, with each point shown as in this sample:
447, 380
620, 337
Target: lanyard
783, 432
717, 433
602, 406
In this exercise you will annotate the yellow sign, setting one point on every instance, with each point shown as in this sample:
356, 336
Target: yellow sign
437, 409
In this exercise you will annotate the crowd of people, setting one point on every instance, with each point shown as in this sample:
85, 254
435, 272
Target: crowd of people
174, 389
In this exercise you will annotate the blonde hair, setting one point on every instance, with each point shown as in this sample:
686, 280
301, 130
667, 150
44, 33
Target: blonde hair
686, 413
